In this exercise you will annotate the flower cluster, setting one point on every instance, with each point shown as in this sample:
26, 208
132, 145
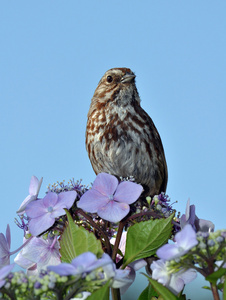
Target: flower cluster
162, 271
45, 285
197, 224
43, 212
39, 253
85, 273
87, 262
108, 199
202, 251
78, 241
72, 185
161, 203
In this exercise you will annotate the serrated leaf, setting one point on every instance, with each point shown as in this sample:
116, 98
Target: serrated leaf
162, 290
144, 238
76, 240
100, 294
216, 275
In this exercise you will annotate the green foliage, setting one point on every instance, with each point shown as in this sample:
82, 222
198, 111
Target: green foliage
148, 293
163, 291
76, 240
216, 275
100, 294
144, 238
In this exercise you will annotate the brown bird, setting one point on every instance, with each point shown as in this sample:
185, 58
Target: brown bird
121, 138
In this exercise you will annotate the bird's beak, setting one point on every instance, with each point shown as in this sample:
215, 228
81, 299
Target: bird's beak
128, 77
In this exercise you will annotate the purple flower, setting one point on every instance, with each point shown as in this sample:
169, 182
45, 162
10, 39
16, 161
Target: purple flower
110, 199
42, 213
4, 272
88, 262
38, 254
83, 263
189, 216
185, 240
173, 281
5, 242
34, 188
121, 278
198, 224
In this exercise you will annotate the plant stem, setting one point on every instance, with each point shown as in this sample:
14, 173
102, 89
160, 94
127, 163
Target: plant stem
92, 223
144, 213
24, 244
117, 241
115, 294
215, 291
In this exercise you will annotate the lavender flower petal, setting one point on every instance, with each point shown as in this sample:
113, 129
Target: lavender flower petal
67, 198
159, 272
40, 224
50, 199
35, 209
4, 272
179, 279
105, 183
169, 251
8, 236
5, 242
113, 211
128, 192
92, 200
33, 187
186, 238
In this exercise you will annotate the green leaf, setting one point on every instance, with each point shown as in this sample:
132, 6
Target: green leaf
76, 240
100, 294
144, 238
216, 275
163, 291
148, 293
145, 294
206, 287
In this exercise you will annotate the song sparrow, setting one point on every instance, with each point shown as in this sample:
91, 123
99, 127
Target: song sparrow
121, 138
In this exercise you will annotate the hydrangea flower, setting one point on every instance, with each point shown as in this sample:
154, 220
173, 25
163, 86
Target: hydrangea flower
88, 262
198, 224
173, 281
109, 198
34, 189
38, 254
184, 241
121, 278
5, 242
4, 272
83, 263
42, 212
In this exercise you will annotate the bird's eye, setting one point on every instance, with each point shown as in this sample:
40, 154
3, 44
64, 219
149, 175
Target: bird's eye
109, 79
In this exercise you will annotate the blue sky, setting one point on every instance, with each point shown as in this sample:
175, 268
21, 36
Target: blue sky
53, 54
